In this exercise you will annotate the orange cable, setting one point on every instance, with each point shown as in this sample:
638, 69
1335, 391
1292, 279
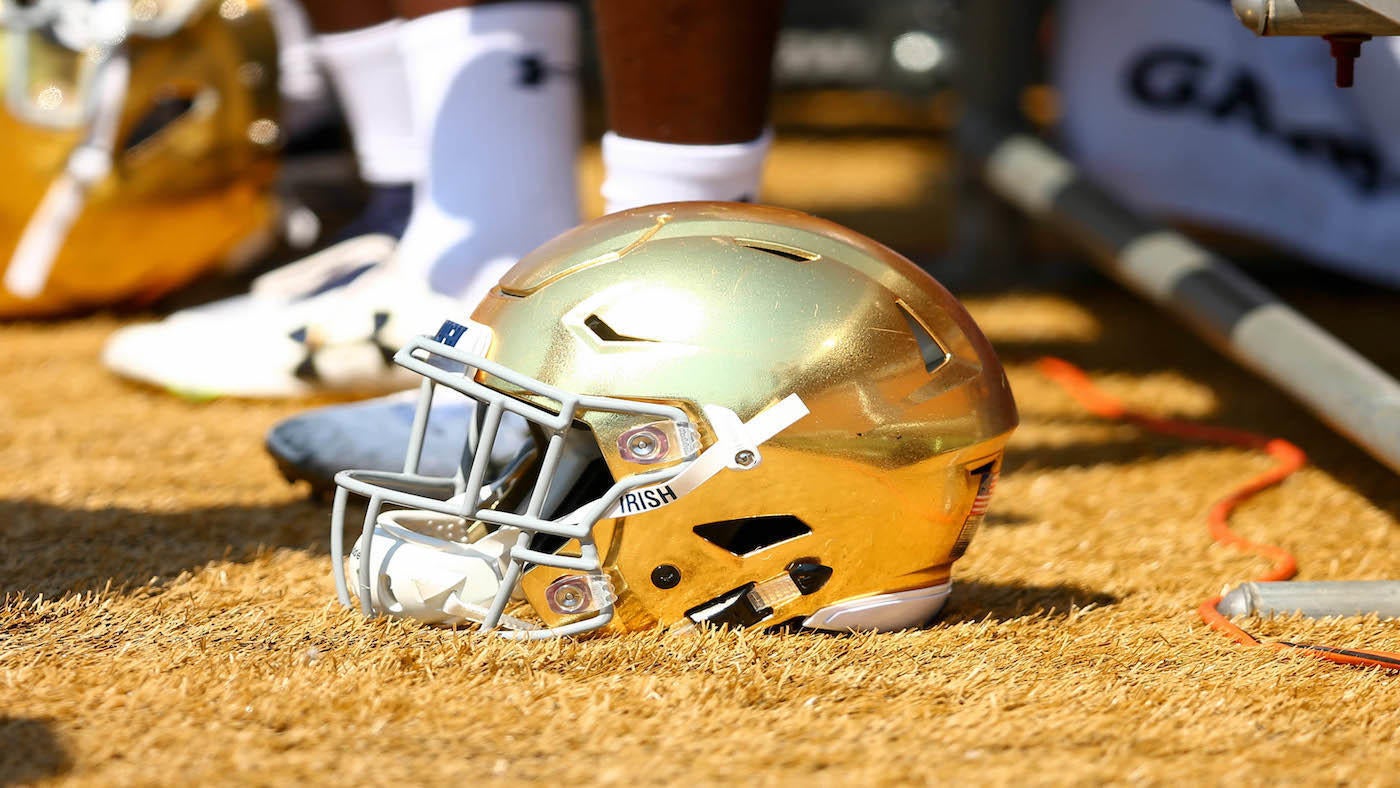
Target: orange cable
1289, 459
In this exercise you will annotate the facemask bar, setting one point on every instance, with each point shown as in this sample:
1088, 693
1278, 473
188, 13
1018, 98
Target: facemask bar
426, 357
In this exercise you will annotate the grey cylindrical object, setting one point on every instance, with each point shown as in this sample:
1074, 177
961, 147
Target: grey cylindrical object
1312, 18
1224, 306
1315, 599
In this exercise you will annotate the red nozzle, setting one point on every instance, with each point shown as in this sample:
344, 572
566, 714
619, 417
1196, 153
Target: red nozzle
1346, 48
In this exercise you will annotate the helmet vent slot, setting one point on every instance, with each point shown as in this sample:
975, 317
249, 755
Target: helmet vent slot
749, 535
932, 353
779, 250
606, 332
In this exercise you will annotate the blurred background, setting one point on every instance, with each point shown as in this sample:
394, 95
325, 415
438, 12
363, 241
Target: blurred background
863, 108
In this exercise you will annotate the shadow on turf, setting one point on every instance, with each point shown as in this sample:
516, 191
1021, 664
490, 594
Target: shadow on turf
54, 551
30, 751
1005, 520
974, 600
1139, 340
1083, 455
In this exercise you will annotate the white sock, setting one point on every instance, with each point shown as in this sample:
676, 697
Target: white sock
642, 172
494, 90
298, 78
369, 77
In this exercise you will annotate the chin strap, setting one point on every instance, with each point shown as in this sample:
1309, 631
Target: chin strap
735, 447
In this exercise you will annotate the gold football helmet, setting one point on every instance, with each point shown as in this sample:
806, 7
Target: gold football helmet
139, 147
741, 416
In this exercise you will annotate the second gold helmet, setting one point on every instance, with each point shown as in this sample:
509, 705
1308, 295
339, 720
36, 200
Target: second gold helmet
139, 147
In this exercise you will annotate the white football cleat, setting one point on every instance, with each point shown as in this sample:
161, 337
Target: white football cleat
331, 322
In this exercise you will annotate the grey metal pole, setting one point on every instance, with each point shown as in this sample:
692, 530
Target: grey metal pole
1312, 18
1210, 295
1315, 599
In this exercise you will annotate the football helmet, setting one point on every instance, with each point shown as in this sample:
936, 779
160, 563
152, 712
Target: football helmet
741, 416
140, 143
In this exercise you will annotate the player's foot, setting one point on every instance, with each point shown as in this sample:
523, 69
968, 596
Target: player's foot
316, 445
329, 323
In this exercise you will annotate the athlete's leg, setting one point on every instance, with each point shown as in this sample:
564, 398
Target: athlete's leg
306, 105
687, 84
340, 16
494, 91
358, 42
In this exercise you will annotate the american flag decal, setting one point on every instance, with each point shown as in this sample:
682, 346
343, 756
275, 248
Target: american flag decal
986, 476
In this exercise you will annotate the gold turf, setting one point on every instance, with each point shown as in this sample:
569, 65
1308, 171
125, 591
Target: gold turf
169, 614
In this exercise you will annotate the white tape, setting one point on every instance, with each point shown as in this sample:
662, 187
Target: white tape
43, 236
33, 259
